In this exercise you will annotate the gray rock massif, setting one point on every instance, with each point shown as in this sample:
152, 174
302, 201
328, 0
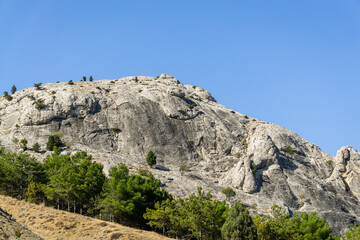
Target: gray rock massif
121, 120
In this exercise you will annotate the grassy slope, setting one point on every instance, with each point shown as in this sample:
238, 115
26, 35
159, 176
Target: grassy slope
50, 223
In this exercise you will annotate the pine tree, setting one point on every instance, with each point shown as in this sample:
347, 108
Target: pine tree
239, 224
23, 144
13, 89
202, 216
91, 78
160, 216
53, 141
84, 78
36, 147
37, 86
151, 159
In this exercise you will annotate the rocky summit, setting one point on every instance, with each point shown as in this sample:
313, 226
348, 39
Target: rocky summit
197, 141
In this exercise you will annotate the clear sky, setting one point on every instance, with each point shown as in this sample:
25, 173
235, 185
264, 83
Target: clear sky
293, 63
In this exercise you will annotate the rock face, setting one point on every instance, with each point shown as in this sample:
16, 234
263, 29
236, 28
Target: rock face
121, 120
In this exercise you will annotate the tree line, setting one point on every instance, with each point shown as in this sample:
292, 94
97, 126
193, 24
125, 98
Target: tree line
76, 183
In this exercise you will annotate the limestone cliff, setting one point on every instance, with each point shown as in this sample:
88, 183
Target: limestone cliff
121, 120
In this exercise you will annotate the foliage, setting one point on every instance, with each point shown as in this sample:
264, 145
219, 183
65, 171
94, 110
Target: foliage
353, 233
160, 216
37, 86
191, 106
151, 159
23, 143
70, 82
116, 129
39, 104
239, 224
17, 171
91, 78
126, 197
184, 167
228, 192
203, 217
59, 134
278, 226
31, 97
301, 226
53, 141
74, 180
84, 78
7, 96
310, 226
13, 89
144, 172
288, 149
181, 111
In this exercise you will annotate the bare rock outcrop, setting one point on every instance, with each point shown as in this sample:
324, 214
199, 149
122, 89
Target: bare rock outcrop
121, 120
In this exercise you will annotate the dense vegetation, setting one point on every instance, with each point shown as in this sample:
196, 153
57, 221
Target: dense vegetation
78, 184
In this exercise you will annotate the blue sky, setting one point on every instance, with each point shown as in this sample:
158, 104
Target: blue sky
293, 63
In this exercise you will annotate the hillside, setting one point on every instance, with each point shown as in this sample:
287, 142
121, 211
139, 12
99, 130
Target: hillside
54, 224
10, 229
121, 120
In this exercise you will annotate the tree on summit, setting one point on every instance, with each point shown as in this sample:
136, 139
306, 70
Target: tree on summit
13, 89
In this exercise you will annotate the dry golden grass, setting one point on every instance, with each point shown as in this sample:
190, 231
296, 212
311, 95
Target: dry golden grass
50, 223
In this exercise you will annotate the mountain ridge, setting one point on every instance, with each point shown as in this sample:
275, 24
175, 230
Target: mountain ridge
121, 120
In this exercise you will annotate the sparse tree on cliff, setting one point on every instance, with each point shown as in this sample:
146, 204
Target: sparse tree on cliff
151, 159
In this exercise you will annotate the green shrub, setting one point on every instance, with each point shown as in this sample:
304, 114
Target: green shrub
71, 82
59, 133
181, 111
232, 111
329, 162
37, 86
31, 97
39, 104
7, 96
23, 143
353, 233
151, 159
53, 141
84, 78
191, 106
288, 149
139, 90
116, 129
36, 147
91, 78
184, 167
228, 192
17, 232
144, 172
53, 92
